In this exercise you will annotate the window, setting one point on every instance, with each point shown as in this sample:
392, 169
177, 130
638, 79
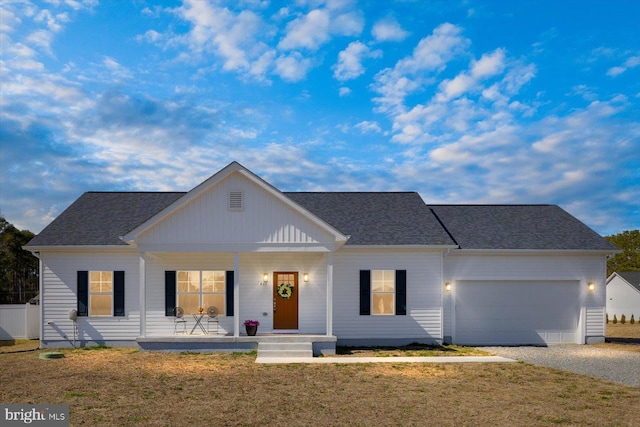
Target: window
201, 289
383, 292
100, 293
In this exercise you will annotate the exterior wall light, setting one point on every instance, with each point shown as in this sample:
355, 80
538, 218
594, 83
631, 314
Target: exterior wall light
305, 277
591, 286
265, 279
447, 286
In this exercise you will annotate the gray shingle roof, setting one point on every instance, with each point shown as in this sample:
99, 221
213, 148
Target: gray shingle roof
375, 218
369, 218
545, 227
633, 277
98, 218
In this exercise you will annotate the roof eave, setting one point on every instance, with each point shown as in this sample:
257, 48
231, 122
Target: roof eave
410, 247
603, 252
77, 248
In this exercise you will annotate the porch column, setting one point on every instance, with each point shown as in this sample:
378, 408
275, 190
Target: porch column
236, 294
329, 294
143, 290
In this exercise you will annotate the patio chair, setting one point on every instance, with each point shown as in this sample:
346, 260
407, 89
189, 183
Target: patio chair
212, 313
179, 320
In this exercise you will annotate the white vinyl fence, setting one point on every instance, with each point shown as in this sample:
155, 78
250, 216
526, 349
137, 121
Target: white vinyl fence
19, 321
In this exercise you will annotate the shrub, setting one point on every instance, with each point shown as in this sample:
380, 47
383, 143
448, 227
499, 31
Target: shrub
607, 317
623, 319
632, 321
615, 319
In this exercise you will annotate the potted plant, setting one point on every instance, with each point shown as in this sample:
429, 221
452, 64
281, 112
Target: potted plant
251, 326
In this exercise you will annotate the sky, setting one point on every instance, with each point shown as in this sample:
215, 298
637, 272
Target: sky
465, 102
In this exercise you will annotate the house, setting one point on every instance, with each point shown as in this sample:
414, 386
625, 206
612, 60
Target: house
623, 294
365, 268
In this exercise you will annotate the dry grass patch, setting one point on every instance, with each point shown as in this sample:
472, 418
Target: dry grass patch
125, 387
410, 350
625, 337
10, 346
623, 331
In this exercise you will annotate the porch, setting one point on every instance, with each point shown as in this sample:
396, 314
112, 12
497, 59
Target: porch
319, 344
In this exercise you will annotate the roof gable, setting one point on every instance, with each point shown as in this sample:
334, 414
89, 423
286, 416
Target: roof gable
203, 217
631, 277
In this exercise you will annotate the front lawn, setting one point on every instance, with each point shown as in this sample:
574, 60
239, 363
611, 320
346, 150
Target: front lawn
410, 350
126, 387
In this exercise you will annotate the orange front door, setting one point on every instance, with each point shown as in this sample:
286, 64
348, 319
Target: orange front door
285, 300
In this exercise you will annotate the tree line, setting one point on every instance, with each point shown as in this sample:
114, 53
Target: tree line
19, 268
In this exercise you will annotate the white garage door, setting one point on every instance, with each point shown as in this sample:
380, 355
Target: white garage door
516, 312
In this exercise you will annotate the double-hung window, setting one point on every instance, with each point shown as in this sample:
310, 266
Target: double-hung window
100, 293
383, 292
200, 289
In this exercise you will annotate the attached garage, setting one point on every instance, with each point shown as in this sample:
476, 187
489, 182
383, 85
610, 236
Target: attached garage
516, 312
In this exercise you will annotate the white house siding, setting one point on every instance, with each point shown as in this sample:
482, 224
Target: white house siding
256, 300
423, 321
536, 267
206, 219
60, 296
622, 298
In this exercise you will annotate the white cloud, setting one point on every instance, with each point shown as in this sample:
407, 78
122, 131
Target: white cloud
429, 57
488, 66
309, 31
232, 37
316, 28
368, 127
631, 62
344, 91
349, 64
293, 67
388, 29
8, 19
116, 70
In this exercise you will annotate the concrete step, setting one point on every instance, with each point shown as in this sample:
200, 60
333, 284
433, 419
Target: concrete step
285, 349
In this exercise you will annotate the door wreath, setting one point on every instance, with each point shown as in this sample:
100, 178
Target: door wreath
285, 290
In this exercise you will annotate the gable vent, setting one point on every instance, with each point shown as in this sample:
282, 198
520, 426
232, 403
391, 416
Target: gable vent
236, 201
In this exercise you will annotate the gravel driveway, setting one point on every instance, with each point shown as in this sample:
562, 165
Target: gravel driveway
614, 365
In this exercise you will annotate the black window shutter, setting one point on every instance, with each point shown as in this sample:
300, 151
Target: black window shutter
118, 293
169, 292
83, 293
401, 292
229, 289
365, 292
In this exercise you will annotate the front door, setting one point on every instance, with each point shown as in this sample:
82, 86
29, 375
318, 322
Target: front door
285, 300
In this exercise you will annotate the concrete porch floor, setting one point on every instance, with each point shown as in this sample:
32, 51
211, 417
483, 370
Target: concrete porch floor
321, 344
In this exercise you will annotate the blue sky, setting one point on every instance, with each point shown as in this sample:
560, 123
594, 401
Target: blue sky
465, 102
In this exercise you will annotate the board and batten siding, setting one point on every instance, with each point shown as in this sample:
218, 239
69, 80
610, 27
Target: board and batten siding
423, 321
60, 296
207, 219
542, 267
255, 299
